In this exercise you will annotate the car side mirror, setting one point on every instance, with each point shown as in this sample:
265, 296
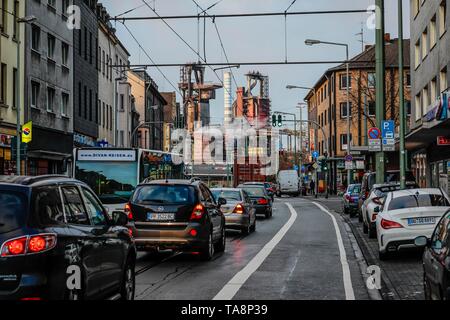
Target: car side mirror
376, 210
222, 201
119, 218
421, 242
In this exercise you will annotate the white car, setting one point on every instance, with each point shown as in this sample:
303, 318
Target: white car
376, 198
406, 215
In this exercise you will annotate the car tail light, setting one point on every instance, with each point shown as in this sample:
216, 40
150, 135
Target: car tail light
387, 224
263, 201
239, 209
28, 245
198, 212
31, 299
193, 233
128, 211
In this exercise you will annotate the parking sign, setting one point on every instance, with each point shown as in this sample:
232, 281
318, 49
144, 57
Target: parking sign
387, 129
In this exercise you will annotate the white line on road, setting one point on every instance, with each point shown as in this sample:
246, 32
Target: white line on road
233, 286
348, 287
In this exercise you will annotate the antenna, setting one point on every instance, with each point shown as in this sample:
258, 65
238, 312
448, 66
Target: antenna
361, 33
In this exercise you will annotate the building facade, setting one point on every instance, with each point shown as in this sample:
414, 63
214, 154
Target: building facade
137, 85
12, 35
49, 87
123, 94
85, 82
327, 105
171, 113
430, 55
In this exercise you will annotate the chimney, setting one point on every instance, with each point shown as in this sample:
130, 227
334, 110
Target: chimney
387, 37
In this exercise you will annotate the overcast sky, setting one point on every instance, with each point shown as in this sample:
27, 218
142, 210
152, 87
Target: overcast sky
250, 40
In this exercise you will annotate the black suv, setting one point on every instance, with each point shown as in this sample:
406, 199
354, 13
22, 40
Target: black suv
180, 215
57, 242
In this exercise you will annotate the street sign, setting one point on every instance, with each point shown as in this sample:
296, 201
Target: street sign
349, 157
388, 129
315, 165
374, 133
443, 141
27, 132
349, 165
315, 154
360, 165
374, 145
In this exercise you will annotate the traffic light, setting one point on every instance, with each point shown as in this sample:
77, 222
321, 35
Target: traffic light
323, 164
280, 120
274, 120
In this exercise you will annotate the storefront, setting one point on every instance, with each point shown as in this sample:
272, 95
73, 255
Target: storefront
7, 161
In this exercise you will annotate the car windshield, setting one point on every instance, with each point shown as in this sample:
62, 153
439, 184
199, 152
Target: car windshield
231, 195
417, 201
164, 194
254, 191
13, 208
111, 185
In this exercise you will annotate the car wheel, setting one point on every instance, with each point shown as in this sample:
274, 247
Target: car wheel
365, 228
372, 232
383, 255
128, 287
220, 246
208, 251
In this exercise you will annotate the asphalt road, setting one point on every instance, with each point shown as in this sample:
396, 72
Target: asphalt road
295, 255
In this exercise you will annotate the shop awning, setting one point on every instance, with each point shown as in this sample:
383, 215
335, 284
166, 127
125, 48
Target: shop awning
427, 134
48, 155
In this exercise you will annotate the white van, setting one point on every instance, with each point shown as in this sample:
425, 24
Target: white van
289, 183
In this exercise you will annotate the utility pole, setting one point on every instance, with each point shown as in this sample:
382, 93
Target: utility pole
402, 97
380, 83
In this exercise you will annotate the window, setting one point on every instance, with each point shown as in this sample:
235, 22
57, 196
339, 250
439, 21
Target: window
35, 37
344, 141
4, 16
94, 209
418, 107
417, 56
90, 47
424, 44
65, 7
442, 18
103, 63
371, 80
417, 201
65, 54
35, 89
80, 42
4, 86
439, 240
15, 86
443, 80
343, 107
343, 82
433, 33
85, 43
16, 23
64, 103
48, 206
408, 107
122, 102
51, 46
104, 115
122, 138
107, 66
433, 90
90, 105
52, 3
372, 109
85, 103
111, 117
425, 100
50, 99
73, 205
79, 99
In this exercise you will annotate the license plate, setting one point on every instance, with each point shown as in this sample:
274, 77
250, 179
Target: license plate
421, 221
160, 216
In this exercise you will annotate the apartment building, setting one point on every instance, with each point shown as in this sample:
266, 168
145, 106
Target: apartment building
430, 55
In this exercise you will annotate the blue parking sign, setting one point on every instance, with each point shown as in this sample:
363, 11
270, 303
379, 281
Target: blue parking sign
388, 129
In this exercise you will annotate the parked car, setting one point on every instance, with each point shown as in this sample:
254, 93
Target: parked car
179, 215
369, 179
261, 200
376, 199
407, 214
52, 226
268, 186
350, 199
239, 211
436, 269
289, 183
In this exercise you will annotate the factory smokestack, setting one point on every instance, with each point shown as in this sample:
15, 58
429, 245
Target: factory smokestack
228, 98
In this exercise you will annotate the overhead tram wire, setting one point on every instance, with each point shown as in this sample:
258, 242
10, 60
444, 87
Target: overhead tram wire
244, 15
150, 58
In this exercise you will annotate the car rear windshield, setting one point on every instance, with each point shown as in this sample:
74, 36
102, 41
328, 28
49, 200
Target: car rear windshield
417, 201
164, 194
232, 195
354, 189
13, 211
255, 191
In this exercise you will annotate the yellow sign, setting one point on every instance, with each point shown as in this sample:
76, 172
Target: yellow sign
27, 132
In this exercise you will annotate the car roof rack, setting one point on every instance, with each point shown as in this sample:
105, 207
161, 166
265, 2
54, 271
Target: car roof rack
30, 180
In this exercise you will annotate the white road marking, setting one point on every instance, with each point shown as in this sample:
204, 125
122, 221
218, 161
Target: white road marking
233, 286
348, 287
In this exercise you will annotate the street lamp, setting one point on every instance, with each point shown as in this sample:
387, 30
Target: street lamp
311, 42
27, 19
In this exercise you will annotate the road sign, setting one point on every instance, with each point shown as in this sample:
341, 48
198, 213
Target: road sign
315, 154
349, 157
349, 165
315, 165
27, 132
388, 129
374, 133
374, 145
